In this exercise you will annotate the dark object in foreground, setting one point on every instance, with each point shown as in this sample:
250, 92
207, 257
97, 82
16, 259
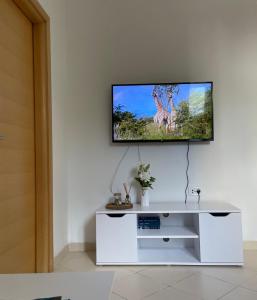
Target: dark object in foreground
52, 298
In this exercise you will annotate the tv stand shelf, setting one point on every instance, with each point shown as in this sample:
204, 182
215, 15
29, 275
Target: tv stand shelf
209, 233
173, 232
163, 257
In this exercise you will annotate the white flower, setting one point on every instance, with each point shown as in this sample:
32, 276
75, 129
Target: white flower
146, 177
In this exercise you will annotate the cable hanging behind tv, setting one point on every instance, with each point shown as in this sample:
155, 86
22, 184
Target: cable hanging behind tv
162, 112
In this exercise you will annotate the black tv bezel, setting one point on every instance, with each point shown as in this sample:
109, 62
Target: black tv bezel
164, 141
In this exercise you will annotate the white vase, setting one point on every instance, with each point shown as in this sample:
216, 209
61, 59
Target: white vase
145, 197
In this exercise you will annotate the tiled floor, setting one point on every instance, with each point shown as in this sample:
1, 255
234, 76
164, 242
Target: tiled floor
173, 282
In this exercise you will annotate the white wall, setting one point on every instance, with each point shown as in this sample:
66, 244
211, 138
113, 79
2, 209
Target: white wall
115, 41
57, 11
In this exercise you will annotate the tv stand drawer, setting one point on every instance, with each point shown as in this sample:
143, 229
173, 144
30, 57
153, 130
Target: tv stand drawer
116, 237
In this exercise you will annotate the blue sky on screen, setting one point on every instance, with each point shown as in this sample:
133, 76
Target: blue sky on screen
138, 99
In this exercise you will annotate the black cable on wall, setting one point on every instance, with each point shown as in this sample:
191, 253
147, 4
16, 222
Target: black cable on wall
187, 168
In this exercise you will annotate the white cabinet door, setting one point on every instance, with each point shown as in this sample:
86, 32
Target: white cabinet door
221, 238
116, 238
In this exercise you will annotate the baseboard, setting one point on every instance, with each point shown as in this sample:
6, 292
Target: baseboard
58, 258
81, 247
250, 245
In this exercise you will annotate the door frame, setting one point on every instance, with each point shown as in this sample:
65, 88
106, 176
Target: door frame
43, 132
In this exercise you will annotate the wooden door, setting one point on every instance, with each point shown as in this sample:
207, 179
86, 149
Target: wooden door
18, 200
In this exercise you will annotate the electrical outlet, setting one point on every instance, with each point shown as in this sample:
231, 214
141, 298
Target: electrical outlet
193, 191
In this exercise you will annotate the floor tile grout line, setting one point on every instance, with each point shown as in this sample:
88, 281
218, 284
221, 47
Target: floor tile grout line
234, 285
160, 286
255, 277
115, 293
146, 276
179, 290
192, 273
163, 285
156, 292
217, 278
174, 285
227, 293
243, 287
119, 279
137, 271
145, 297
185, 292
185, 278
149, 295
213, 276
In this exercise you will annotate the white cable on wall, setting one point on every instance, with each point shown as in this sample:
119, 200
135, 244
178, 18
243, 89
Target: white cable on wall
119, 164
117, 168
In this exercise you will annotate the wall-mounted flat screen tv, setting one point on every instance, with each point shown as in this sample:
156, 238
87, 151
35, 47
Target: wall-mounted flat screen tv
162, 112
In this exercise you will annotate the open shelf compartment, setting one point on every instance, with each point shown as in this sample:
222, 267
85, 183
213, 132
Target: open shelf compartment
171, 251
179, 226
179, 256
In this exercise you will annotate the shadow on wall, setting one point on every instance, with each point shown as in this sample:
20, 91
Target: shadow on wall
90, 227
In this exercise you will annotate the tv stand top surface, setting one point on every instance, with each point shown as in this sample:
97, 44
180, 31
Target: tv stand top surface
175, 207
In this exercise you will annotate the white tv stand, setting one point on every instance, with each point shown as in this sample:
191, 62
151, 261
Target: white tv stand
209, 233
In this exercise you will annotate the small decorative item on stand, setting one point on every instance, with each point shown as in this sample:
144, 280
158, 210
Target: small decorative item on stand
117, 199
145, 180
127, 197
118, 204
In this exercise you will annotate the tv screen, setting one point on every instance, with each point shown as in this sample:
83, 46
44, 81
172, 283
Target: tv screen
162, 112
